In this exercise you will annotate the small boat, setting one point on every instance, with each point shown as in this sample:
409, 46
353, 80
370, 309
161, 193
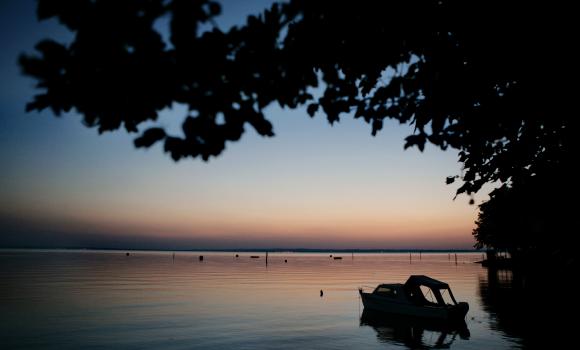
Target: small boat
410, 299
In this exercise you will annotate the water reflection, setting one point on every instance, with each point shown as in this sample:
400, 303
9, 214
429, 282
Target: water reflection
412, 332
534, 311
502, 297
151, 300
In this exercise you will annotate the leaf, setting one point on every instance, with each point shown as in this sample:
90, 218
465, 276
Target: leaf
416, 140
312, 109
377, 126
261, 125
149, 137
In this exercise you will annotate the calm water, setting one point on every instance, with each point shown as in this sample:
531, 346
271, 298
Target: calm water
69, 300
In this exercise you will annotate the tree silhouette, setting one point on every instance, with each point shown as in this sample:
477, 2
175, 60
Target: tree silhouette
485, 77
532, 219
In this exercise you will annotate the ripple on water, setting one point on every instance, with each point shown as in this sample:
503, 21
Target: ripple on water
72, 299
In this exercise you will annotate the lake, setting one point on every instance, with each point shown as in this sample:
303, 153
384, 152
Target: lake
152, 300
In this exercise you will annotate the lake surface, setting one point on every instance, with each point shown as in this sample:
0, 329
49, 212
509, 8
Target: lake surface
150, 300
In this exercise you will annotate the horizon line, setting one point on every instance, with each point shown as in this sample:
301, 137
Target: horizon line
263, 250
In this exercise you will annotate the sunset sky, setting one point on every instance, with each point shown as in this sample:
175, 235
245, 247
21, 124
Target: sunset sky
311, 186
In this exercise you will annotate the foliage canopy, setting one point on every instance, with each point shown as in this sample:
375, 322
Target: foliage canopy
485, 77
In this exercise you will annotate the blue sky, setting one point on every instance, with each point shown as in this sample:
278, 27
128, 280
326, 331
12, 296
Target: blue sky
312, 185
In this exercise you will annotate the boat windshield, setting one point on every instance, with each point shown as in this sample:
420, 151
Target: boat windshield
447, 297
428, 294
386, 291
424, 295
423, 290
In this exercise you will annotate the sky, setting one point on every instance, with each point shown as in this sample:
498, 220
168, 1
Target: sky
311, 186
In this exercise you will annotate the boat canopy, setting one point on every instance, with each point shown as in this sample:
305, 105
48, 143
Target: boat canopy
421, 280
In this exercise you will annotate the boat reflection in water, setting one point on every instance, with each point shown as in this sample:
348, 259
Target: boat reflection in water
413, 332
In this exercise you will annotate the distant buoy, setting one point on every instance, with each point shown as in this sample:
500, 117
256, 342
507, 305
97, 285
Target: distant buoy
331, 255
321, 293
127, 254
201, 258
285, 260
237, 256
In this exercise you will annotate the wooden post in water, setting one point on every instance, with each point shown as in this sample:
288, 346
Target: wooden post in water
419, 255
352, 255
455, 258
266, 258
409, 257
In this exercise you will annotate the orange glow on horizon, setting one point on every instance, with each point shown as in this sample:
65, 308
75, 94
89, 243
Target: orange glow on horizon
347, 228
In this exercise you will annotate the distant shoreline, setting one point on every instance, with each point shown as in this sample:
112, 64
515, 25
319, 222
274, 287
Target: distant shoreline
251, 250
